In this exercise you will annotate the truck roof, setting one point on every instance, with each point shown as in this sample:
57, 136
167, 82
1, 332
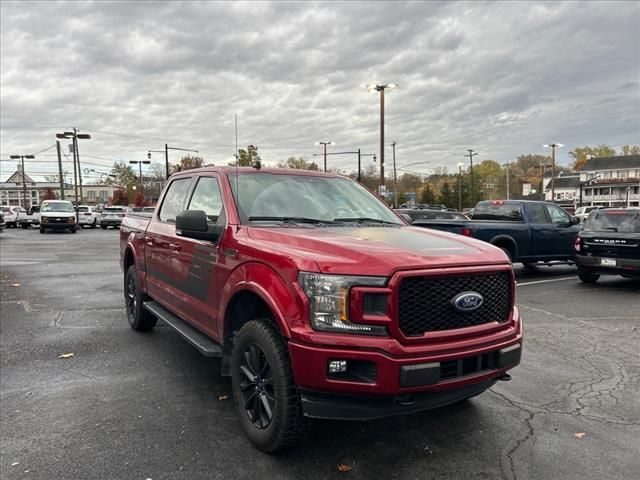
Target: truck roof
281, 171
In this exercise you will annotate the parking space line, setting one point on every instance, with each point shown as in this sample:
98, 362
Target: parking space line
546, 281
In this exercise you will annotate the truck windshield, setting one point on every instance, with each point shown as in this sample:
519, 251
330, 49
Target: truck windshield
271, 197
614, 221
57, 207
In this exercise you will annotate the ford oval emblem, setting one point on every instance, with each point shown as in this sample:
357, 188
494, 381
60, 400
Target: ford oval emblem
467, 301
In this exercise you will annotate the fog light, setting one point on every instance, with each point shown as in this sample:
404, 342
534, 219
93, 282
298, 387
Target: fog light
337, 366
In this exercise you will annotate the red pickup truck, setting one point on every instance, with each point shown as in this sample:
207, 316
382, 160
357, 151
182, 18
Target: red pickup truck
320, 301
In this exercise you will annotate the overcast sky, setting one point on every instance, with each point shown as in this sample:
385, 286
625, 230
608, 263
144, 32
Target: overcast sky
502, 78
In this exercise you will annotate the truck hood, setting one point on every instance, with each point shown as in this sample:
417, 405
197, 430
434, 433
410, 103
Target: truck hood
376, 250
57, 214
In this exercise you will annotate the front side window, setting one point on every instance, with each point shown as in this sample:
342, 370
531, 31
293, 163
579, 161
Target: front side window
174, 199
557, 214
206, 197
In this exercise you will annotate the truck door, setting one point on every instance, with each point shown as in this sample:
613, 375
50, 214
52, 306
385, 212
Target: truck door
199, 262
542, 230
161, 247
564, 231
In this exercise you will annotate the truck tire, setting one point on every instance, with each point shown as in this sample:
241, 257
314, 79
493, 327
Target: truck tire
104, 227
140, 319
264, 390
24, 225
41, 230
587, 276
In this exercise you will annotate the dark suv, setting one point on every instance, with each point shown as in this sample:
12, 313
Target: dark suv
609, 244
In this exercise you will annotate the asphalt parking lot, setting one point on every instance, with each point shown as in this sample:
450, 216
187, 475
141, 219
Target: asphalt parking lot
148, 406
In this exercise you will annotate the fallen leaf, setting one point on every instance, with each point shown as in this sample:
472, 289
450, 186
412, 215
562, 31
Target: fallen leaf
344, 468
427, 450
223, 397
66, 355
15, 463
580, 434
15, 284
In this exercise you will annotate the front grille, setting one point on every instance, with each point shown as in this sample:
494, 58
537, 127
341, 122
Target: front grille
425, 303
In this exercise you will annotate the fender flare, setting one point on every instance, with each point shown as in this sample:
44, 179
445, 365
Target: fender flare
506, 239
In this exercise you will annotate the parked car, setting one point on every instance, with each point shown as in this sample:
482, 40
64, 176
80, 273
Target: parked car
2, 222
112, 216
30, 218
87, 216
58, 215
11, 214
609, 244
583, 212
527, 231
318, 299
148, 209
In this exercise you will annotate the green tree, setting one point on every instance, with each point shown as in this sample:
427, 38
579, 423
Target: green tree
408, 182
298, 163
427, 196
187, 163
630, 150
447, 196
246, 158
581, 155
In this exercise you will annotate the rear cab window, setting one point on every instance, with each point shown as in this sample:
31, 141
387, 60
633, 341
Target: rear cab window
503, 211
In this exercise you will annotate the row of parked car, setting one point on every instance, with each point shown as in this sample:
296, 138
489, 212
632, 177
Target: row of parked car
84, 216
598, 240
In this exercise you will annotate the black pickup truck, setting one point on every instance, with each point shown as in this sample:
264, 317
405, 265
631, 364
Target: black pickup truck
528, 231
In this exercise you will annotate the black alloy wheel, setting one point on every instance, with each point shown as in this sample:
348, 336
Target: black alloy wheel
140, 319
257, 386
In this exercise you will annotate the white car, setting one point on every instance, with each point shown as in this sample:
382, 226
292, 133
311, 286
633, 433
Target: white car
112, 216
583, 212
11, 215
88, 216
31, 218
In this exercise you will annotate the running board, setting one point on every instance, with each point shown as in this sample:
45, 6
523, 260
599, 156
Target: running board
205, 345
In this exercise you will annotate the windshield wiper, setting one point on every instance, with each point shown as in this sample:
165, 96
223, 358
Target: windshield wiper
364, 220
314, 221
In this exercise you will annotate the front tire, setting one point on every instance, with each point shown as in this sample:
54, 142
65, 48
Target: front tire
95, 222
41, 230
587, 276
264, 390
140, 319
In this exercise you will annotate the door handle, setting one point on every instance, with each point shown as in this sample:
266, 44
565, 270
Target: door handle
149, 241
175, 247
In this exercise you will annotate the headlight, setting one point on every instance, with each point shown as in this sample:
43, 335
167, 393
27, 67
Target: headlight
328, 300
72, 219
44, 220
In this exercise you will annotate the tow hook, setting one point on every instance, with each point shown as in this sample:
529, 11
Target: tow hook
505, 378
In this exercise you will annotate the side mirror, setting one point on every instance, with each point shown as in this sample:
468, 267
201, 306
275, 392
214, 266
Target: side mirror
575, 220
194, 224
406, 218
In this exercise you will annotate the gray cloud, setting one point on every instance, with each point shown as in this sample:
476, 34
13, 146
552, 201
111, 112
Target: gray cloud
502, 78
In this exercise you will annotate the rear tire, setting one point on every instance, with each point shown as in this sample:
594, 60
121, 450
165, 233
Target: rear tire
41, 230
140, 319
95, 222
264, 391
588, 276
104, 227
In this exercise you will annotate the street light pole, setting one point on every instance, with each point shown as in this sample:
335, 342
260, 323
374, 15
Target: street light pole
553, 167
60, 170
166, 155
77, 172
507, 180
460, 186
324, 145
357, 152
140, 162
471, 154
381, 88
395, 178
24, 181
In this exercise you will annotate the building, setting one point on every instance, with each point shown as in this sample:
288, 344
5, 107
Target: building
25, 192
610, 181
566, 188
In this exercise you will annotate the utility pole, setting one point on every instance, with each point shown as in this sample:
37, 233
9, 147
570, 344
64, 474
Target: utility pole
395, 178
359, 168
381, 88
166, 155
77, 173
507, 180
460, 187
553, 167
324, 145
166, 159
471, 154
24, 180
60, 170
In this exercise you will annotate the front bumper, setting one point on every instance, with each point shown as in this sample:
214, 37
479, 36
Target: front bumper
109, 222
623, 266
430, 375
58, 225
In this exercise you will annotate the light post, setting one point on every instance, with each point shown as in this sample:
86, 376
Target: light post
357, 152
395, 178
74, 136
166, 155
553, 147
139, 163
460, 165
472, 154
507, 168
24, 181
381, 88
324, 145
